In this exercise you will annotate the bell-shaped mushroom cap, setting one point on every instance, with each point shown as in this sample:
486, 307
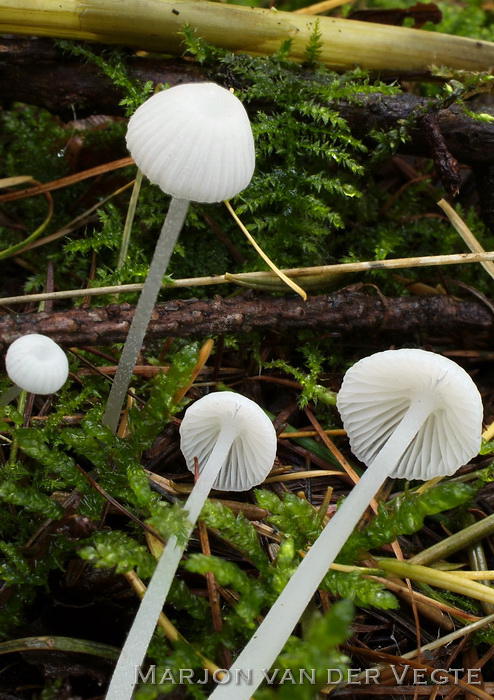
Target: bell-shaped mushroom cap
377, 392
253, 450
194, 141
37, 364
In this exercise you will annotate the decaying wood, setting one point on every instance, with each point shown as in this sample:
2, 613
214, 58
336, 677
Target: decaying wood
34, 71
447, 166
343, 312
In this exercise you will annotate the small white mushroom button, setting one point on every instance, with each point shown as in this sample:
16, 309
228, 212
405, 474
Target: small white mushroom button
35, 363
251, 452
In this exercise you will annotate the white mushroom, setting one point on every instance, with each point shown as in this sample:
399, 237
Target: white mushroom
35, 363
408, 413
434, 393
194, 141
250, 454
235, 445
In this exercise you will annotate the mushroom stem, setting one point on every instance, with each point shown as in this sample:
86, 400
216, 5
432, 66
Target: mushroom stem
9, 395
269, 639
135, 647
162, 254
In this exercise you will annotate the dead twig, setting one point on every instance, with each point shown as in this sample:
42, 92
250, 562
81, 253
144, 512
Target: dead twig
343, 312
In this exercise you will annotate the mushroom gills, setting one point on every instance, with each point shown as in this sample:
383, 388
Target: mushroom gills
429, 419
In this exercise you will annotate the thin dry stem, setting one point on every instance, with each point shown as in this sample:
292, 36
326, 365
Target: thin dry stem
263, 255
466, 234
335, 451
320, 7
250, 279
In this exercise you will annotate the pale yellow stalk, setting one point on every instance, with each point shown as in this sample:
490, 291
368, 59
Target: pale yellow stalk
488, 433
309, 276
290, 283
441, 579
157, 25
319, 7
461, 228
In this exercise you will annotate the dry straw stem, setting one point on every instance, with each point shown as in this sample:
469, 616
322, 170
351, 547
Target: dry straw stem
203, 357
296, 476
488, 433
60, 644
441, 579
476, 575
455, 543
465, 233
311, 433
157, 25
308, 275
396, 585
263, 255
16, 180
40, 188
319, 7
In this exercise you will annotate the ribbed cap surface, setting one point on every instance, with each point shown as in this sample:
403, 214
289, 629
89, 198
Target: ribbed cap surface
253, 450
194, 141
377, 392
37, 364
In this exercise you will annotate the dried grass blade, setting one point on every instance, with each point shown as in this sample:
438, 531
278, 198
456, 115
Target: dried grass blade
466, 234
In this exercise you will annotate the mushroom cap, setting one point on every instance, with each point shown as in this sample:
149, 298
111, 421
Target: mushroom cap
194, 141
253, 450
37, 364
377, 392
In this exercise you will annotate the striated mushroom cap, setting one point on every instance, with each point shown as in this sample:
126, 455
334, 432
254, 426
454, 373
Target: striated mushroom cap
194, 141
253, 450
37, 364
377, 392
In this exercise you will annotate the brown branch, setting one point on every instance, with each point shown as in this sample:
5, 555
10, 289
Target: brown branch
34, 71
343, 312
446, 165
